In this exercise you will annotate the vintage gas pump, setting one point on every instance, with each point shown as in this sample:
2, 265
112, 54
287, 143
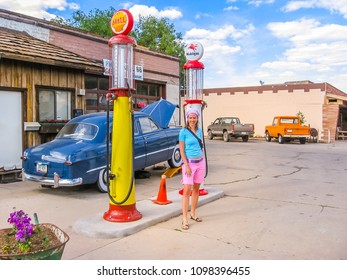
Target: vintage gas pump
194, 81
122, 207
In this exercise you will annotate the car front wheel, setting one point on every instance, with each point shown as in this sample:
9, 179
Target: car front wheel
210, 135
102, 181
175, 160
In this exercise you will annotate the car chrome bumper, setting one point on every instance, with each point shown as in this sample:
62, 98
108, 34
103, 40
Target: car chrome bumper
54, 182
296, 136
241, 133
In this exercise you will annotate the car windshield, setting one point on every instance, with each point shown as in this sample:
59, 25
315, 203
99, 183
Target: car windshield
83, 131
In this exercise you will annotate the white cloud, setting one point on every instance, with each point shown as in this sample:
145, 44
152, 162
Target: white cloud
37, 8
200, 15
221, 51
333, 6
320, 55
315, 51
289, 66
308, 31
305, 31
223, 33
220, 46
230, 8
143, 10
73, 6
258, 3
308, 50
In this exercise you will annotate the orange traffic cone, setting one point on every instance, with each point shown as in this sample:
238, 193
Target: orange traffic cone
162, 197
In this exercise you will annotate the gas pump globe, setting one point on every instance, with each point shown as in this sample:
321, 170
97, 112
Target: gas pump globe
122, 61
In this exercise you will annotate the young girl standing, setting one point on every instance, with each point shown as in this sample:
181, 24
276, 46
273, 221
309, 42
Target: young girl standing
193, 166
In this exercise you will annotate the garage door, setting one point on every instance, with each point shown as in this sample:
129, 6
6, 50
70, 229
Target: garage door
10, 130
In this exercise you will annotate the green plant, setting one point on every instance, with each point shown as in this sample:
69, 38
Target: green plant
302, 117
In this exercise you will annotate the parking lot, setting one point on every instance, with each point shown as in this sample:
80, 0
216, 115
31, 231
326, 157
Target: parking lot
281, 202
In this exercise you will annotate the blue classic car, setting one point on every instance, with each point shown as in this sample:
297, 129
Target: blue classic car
78, 153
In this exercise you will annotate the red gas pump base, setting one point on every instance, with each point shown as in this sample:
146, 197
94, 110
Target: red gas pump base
122, 213
201, 192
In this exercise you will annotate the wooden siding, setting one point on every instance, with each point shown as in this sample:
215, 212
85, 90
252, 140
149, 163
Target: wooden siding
27, 77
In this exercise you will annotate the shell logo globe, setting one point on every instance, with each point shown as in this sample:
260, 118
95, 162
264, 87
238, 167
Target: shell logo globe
122, 22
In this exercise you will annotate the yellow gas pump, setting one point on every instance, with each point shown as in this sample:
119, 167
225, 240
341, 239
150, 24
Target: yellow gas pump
122, 206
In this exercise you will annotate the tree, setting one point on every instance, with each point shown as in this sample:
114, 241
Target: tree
97, 21
160, 35
301, 116
156, 34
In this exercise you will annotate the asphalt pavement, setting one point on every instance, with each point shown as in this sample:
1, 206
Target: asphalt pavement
265, 201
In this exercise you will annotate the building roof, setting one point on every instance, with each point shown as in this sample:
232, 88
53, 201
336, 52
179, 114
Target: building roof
20, 46
306, 86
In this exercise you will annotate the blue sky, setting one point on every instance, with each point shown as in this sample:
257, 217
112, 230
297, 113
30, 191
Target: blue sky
244, 41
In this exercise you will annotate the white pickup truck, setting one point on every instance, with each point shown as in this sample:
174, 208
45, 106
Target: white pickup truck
228, 127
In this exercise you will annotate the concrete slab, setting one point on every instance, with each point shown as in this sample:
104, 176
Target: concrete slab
152, 213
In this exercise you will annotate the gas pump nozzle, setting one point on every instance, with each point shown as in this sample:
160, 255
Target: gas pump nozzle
111, 96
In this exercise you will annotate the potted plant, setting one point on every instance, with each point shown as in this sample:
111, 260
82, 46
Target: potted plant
28, 241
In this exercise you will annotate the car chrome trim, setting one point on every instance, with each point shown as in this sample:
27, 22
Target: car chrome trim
57, 182
140, 156
153, 153
295, 136
159, 151
96, 169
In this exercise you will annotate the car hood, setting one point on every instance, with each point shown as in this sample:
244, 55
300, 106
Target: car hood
57, 150
161, 111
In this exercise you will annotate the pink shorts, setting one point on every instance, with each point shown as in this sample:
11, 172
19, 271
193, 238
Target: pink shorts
197, 175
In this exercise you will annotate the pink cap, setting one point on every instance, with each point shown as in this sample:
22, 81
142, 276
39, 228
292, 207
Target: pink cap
192, 111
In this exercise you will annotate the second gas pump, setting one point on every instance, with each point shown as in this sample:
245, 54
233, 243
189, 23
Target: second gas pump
194, 81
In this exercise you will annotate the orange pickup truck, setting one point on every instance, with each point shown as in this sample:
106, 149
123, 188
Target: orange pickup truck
287, 128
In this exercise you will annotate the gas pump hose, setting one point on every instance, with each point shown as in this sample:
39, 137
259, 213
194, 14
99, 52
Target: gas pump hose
202, 127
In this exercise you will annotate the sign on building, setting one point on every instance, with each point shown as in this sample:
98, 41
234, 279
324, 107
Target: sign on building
138, 69
138, 72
